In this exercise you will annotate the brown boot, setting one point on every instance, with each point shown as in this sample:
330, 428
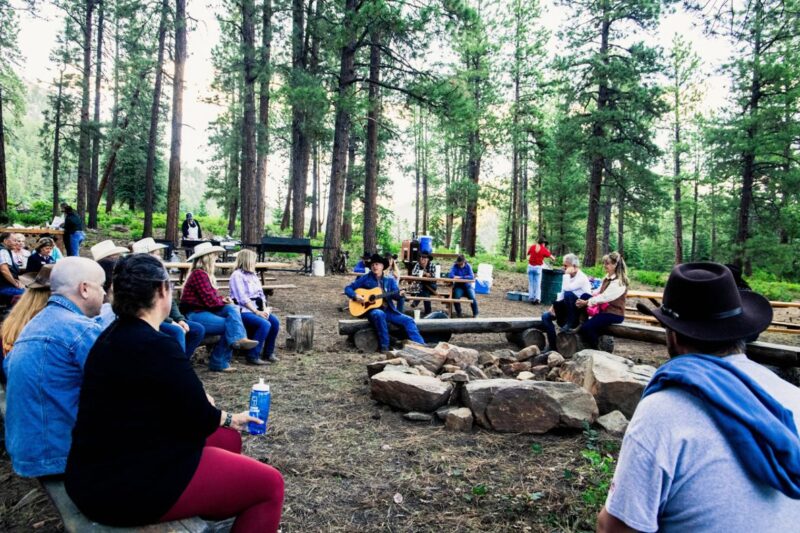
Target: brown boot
244, 344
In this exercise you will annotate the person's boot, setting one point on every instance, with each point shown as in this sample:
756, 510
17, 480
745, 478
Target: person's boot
244, 344
272, 358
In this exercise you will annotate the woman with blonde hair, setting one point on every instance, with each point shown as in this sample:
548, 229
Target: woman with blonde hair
608, 306
201, 302
260, 323
33, 300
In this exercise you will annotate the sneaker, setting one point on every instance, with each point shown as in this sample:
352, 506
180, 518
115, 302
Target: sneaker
244, 344
272, 358
256, 362
226, 370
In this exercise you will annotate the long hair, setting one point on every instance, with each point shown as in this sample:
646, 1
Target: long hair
28, 306
620, 269
206, 264
246, 260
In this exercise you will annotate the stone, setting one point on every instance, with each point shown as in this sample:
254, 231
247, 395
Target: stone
486, 359
613, 422
615, 382
451, 368
377, 366
515, 368
410, 393
456, 377
505, 356
476, 373
528, 352
540, 359
401, 368
459, 419
522, 376
509, 405
424, 371
540, 372
554, 374
420, 355
555, 359
416, 416
457, 355
494, 372
442, 411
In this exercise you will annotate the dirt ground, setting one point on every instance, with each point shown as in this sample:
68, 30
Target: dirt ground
351, 464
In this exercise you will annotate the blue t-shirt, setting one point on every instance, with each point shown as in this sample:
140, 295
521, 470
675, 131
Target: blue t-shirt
678, 472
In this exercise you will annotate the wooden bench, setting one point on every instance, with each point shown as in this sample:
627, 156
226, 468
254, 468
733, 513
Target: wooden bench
656, 297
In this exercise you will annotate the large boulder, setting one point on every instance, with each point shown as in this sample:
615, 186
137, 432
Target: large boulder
420, 355
456, 355
408, 392
459, 419
615, 382
614, 422
514, 406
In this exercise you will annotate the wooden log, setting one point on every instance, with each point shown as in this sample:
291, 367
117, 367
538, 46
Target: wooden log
454, 325
300, 329
527, 337
568, 344
366, 340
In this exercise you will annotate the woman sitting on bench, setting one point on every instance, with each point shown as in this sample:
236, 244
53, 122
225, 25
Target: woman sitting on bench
608, 307
148, 444
258, 319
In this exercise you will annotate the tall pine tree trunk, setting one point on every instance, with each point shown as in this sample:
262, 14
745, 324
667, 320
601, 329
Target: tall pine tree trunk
84, 145
174, 182
3, 179
251, 234
621, 222
417, 174
115, 117
300, 142
425, 184
676, 177
349, 191
371, 155
152, 138
313, 227
98, 78
694, 218
263, 114
448, 217
606, 243
57, 145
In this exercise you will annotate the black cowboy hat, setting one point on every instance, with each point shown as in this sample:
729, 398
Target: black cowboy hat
701, 302
377, 258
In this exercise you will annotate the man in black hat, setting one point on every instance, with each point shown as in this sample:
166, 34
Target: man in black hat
388, 313
713, 444
424, 268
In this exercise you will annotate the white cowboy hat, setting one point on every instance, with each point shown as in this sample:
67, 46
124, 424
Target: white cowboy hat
204, 248
147, 245
103, 249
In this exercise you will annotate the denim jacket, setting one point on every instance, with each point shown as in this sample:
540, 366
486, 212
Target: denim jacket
369, 281
45, 372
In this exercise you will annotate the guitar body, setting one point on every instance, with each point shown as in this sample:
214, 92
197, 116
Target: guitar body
373, 300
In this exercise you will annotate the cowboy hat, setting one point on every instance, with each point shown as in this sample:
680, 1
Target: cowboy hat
377, 258
147, 245
205, 248
103, 249
701, 302
37, 280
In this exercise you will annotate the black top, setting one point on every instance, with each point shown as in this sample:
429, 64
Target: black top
37, 261
143, 418
72, 224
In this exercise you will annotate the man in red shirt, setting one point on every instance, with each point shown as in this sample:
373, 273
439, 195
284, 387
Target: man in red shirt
537, 253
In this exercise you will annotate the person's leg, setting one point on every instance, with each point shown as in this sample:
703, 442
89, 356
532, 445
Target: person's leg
426, 305
175, 331
537, 286
400, 304
234, 328
10, 291
214, 325
194, 337
257, 329
228, 484
227, 439
570, 309
407, 323
470, 291
272, 336
458, 292
592, 329
74, 243
531, 282
550, 329
377, 318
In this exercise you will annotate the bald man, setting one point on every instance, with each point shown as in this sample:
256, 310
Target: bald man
45, 369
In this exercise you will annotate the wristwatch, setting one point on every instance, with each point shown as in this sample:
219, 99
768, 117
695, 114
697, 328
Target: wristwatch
228, 420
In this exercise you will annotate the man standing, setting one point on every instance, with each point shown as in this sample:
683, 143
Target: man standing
45, 369
713, 445
191, 229
388, 313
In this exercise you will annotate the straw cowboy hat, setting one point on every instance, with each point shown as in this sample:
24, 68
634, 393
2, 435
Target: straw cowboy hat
205, 248
104, 249
37, 280
147, 245
701, 302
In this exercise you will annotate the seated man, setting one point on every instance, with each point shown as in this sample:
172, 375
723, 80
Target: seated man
9, 271
361, 266
424, 269
462, 270
713, 444
387, 313
45, 369
575, 285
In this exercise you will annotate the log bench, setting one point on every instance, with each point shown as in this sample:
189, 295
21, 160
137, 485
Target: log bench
75, 522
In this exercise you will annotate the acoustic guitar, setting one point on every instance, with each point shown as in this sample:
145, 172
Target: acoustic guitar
373, 299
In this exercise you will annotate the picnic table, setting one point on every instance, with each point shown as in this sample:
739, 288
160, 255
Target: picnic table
446, 298
261, 268
57, 234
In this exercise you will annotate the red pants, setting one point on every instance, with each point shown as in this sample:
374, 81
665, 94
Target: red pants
227, 484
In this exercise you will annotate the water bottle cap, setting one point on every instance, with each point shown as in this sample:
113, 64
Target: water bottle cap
261, 386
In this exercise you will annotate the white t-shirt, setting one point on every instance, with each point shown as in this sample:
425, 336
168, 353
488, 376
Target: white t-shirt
678, 472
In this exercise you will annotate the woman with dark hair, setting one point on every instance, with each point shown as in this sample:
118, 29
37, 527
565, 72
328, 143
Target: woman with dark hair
73, 230
148, 444
42, 255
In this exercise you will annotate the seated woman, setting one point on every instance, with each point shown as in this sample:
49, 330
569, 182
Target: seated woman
148, 444
19, 253
42, 255
201, 302
260, 323
424, 269
609, 302
574, 286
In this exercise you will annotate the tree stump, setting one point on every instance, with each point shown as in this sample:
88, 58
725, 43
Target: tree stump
568, 344
300, 329
528, 337
366, 340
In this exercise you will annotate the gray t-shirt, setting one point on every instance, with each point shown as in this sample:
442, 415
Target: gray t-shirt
677, 472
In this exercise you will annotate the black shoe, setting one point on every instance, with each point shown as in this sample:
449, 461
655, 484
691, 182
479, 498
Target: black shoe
272, 358
256, 362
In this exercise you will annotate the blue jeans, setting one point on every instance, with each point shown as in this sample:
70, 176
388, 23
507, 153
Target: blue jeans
74, 243
465, 290
188, 341
594, 327
534, 282
381, 319
226, 322
549, 329
426, 305
263, 330
10, 292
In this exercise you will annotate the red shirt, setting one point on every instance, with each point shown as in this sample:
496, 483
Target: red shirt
536, 258
199, 294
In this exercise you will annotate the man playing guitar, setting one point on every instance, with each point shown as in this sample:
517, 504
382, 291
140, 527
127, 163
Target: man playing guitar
387, 313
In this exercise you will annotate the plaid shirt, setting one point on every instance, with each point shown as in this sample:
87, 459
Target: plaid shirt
198, 293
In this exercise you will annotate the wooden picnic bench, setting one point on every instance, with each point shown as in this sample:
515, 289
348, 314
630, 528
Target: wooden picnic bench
261, 268
445, 298
656, 297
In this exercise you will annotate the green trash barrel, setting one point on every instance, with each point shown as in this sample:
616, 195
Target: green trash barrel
551, 284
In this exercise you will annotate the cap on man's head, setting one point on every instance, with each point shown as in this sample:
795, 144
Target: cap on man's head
461, 259
189, 215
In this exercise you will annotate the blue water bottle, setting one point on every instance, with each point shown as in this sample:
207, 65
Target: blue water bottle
259, 407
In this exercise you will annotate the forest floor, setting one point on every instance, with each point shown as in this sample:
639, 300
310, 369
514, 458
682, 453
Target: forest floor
351, 464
